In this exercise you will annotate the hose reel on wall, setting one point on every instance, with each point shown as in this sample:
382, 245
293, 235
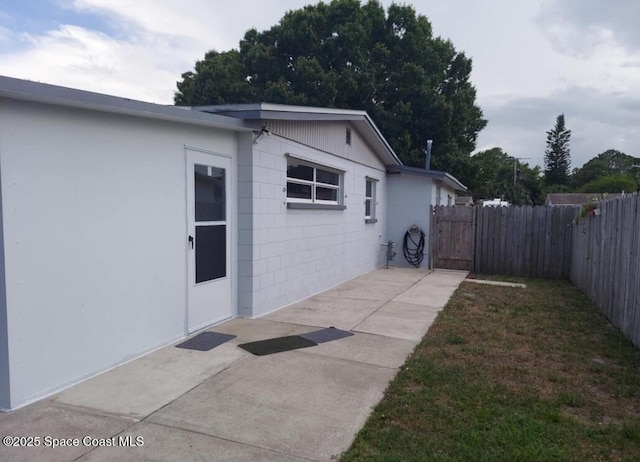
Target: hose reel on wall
413, 246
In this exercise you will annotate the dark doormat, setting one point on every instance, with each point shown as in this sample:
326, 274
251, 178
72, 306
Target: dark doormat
326, 335
205, 341
277, 345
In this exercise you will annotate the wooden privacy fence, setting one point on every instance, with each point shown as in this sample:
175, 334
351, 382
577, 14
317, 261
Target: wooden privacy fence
606, 264
524, 241
517, 241
600, 254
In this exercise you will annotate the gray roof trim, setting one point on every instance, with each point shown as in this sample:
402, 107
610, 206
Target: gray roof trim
267, 111
445, 177
26, 90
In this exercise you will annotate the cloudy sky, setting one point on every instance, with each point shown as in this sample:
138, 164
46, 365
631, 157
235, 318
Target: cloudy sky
532, 59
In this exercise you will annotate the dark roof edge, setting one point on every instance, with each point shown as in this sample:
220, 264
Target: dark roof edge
445, 177
27, 90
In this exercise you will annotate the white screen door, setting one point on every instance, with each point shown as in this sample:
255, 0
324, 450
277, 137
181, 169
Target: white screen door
208, 239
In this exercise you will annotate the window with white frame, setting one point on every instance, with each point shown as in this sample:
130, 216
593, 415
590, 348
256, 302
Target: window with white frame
313, 184
370, 200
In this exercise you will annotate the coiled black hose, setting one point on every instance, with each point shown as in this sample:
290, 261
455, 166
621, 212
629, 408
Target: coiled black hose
414, 254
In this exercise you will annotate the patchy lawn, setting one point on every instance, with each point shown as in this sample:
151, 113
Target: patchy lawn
508, 374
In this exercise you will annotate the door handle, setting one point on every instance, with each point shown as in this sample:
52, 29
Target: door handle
191, 241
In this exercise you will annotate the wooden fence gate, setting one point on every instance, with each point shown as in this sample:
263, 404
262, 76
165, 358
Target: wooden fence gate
452, 237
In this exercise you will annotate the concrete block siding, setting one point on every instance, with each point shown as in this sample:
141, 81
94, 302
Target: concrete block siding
289, 254
96, 211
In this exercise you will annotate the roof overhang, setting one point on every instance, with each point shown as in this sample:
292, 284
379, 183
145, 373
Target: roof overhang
437, 175
265, 111
26, 90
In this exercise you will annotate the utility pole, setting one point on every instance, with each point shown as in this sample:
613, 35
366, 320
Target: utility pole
515, 167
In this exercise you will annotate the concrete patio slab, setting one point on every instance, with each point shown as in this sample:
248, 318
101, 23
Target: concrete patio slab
143, 386
225, 404
325, 311
366, 349
363, 289
253, 330
400, 320
44, 419
298, 404
397, 273
434, 290
167, 444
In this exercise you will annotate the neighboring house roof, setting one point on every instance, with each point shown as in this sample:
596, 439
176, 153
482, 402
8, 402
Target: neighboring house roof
68, 97
576, 198
445, 177
266, 111
464, 200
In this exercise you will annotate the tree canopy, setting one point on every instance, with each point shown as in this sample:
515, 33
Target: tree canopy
613, 183
610, 162
345, 54
557, 157
493, 176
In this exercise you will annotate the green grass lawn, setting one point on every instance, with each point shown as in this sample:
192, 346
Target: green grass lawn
507, 374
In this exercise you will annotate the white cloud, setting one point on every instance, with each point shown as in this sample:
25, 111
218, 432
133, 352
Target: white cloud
582, 26
155, 42
207, 23
168, 18
599, 120
143, 68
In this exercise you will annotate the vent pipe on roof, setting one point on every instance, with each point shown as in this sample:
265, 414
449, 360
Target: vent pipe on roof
427, 157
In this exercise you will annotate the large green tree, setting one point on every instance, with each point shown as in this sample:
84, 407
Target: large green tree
557, 156
350, 55
609, 162
493, 176
614, 183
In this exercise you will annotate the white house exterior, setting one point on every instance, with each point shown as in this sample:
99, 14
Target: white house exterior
94, 232
411, 193
293, 247
445, 188
127, 226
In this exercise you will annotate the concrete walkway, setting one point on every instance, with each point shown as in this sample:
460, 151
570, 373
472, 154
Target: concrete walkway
228, 405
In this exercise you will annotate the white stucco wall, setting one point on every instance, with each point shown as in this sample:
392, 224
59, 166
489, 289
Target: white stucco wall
292, 254
94, 215
445, 192
5, 389
409, 199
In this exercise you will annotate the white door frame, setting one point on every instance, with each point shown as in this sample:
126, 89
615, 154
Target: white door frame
210, 301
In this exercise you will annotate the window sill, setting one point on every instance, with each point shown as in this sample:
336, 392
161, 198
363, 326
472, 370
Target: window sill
370, 220
305, 206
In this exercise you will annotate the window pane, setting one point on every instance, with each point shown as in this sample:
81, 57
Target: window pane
210, 197
369, 188
367, 208
301, 172
322, 176
299, 191
326, 194
211, 252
